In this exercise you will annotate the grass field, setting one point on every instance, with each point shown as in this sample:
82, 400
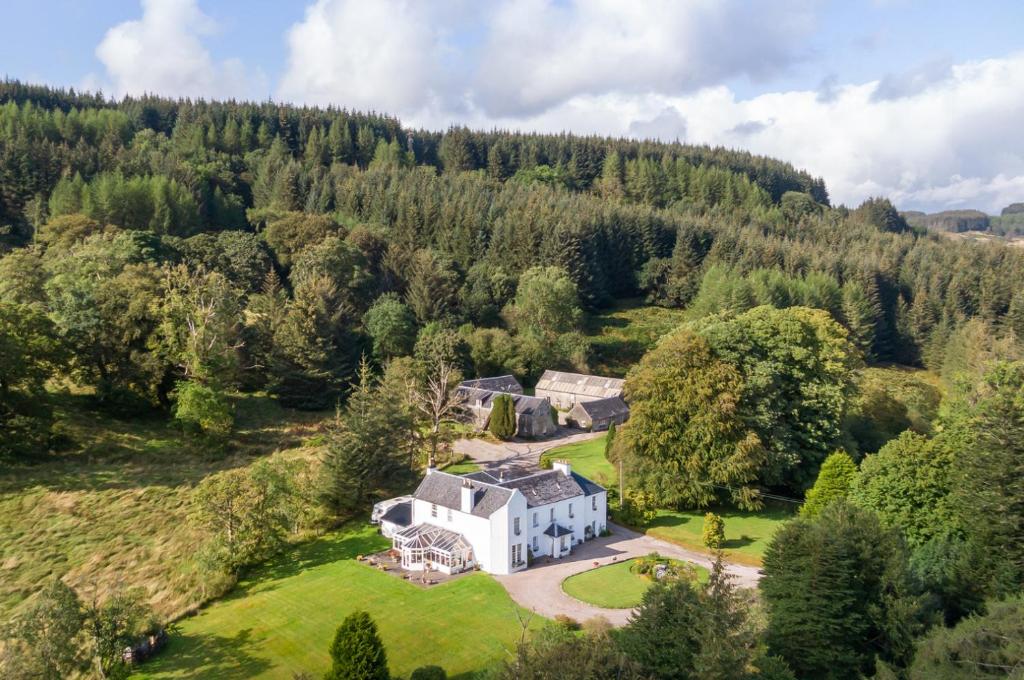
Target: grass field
621, 335
614, 585
746, 533
588, 459
111, 509
281, 620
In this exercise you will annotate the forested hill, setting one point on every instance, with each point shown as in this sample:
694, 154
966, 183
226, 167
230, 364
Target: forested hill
322, 235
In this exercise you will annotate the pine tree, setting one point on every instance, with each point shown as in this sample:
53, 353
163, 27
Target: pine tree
860, 316
834, 481
367, 448
357, 652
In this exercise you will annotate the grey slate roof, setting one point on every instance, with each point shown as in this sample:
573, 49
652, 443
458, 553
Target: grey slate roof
399, 514
604, 408
500, 383
546, 487
445, 490
522, 403
556, 530
589, 488
579, 384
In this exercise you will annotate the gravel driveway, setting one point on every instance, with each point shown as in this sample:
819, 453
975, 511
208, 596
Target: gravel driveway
539, 588
519, 453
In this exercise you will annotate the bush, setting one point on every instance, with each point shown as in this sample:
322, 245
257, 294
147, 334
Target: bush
203, 409
357, 651
429, 673
546, 461
638, 507
567, 622
713, 534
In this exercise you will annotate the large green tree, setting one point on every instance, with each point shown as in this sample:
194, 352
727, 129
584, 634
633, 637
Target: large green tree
909, 484
367, 448
837, 594
686, 441
796, 367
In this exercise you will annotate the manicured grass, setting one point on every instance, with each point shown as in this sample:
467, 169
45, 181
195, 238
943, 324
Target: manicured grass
462, 468
588, 459
615, 586
111, 509
621, 335
746, 533
281, 620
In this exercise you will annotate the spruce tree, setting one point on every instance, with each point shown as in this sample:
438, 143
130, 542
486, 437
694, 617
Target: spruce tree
834, 481
357, 652
503, 417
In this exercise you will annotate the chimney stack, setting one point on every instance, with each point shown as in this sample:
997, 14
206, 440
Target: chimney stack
468, 493
562, 466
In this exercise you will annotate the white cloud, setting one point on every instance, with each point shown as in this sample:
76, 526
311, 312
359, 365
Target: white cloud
393, 56
541, 52
163, 52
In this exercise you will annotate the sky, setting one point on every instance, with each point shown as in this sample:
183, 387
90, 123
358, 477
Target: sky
921, 101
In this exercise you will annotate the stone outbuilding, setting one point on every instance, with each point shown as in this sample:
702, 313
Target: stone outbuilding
599, 414
533, 414
565, 390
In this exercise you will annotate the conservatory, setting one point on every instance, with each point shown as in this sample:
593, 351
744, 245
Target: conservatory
437, 548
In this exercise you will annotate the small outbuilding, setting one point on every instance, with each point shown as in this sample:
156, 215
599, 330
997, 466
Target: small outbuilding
599, 414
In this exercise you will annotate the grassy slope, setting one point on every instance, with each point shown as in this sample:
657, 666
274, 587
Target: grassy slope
614, 585
112, 509
620, 336
746, 533
283, 618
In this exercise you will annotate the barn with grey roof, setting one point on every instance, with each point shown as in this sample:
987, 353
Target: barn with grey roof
565, 390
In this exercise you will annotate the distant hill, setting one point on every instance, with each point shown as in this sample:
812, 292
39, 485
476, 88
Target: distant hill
949, 220
1009, 223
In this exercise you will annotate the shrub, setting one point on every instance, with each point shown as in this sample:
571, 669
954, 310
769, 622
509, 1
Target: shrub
713, 534
638, 507
567, 622
546, 461
203, 409
429, 673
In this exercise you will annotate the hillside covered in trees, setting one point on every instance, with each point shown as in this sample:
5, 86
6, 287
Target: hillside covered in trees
168, 257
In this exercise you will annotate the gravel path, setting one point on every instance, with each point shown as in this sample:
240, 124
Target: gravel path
539, 588
518, 453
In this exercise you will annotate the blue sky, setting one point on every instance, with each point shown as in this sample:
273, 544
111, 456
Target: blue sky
916, 100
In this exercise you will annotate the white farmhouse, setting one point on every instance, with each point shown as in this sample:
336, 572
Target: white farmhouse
461, 521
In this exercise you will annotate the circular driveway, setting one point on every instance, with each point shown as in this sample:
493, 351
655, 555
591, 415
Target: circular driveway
539, 588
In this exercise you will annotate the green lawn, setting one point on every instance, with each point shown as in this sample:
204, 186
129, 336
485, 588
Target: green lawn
614, 585
282, 619
588, 459
746, 533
